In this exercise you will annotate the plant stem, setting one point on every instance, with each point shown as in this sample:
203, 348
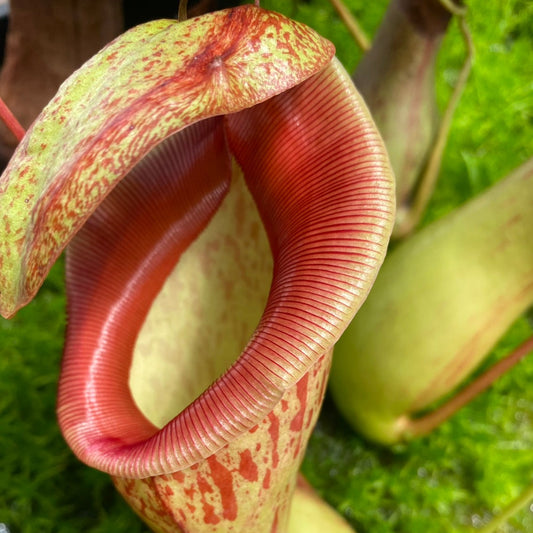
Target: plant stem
417, 427
509, 511
182, 11
453, 8
351, 23
430, 175
10, 121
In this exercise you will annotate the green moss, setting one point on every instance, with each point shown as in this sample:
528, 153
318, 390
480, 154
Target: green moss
490, 132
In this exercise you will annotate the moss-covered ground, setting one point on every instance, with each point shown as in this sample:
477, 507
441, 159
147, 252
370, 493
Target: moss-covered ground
453, 480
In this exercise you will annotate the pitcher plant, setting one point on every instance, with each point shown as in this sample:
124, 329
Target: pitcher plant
441, 302
226, 202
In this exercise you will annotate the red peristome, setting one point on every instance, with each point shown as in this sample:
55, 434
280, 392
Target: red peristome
317, 170
142, 227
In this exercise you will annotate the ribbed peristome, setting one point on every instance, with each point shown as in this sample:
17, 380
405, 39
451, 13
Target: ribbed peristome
318, 174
